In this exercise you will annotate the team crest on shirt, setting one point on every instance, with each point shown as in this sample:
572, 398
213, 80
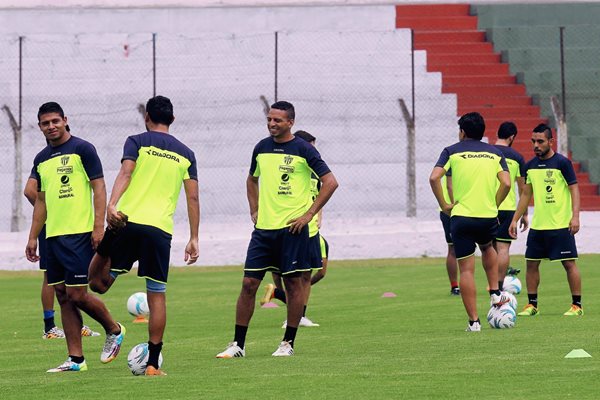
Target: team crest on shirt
64, 160
549, 173
64, 168
287, 159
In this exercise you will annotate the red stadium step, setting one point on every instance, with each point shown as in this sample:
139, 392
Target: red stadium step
423, 37
446, 58
508, 112
474, 72
489, 91
438, 10
438, 23
458, 48
478, 101
470, 69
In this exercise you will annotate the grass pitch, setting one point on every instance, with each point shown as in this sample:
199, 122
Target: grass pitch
412, 346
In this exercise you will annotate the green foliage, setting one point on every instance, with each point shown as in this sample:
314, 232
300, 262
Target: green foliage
412, 346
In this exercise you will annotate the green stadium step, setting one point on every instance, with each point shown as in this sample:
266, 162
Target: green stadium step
437, 10
510, 15
438, 23
538, 59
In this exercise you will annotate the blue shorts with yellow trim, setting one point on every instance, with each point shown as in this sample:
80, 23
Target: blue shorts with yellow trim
504, 219
445, 218
277, 250
553, 244
68, 259
43, 249
324, 247
147, 244
468, 231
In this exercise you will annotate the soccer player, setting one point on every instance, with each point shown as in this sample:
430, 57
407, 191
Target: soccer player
507, 132
451, 264
318, 251
281, 207
51, 331
153, 168
71, 200
477, 168
551, 180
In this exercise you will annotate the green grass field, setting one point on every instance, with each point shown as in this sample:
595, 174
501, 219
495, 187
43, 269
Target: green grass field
410, 347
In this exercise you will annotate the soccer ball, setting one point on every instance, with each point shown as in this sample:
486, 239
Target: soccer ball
502, 317
137, 359
512, 300
137, 305
512, 284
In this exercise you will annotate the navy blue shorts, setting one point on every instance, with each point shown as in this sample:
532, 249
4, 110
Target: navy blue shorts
277, 250
43, 249
314, 252
504, 219
445, 218
147, 244
554, 244
466, 231
68, 259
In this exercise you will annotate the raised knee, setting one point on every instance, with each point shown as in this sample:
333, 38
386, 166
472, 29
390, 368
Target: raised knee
98, 287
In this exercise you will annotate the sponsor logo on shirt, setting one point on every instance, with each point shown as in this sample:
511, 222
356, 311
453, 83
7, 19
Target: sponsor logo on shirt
162, 154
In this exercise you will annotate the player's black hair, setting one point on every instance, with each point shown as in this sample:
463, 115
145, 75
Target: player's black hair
507, 129
473, 125
543, 128
285, 106
160, 110
306, 136
50, 107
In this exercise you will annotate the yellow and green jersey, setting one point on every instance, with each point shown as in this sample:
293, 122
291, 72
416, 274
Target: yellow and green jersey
516, 168
284, 171
550, 180
162, 163
475, 166
64, 173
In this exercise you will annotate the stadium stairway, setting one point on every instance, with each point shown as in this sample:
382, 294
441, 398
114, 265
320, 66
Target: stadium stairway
476, 74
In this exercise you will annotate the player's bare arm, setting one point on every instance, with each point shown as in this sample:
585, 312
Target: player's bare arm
30, 191
575, 204
121, 184
193, 206
99, 190
435, 180
37, 223
524, 222
504, 188
252, 194
524, 200
328, 185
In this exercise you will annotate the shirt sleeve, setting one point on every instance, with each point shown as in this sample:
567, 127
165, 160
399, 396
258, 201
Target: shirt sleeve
522, 171
503, 164
91, 162
131, 149
444, 160
192, 170
36, 175
568, 171
315, 162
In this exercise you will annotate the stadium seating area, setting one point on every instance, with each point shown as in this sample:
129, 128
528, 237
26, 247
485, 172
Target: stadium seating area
474, 65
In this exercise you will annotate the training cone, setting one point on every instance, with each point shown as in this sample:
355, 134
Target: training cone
389, 294
578, 353
140, 319
269, 305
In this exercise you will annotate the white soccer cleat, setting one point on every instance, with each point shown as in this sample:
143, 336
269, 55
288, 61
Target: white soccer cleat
307, 322
70, 366
231, 351
112, 345
285, 349
86, 331
476, 327
54, 333
498, 301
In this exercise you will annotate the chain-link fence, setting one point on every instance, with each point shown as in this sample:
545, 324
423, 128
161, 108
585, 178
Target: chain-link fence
346, 88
